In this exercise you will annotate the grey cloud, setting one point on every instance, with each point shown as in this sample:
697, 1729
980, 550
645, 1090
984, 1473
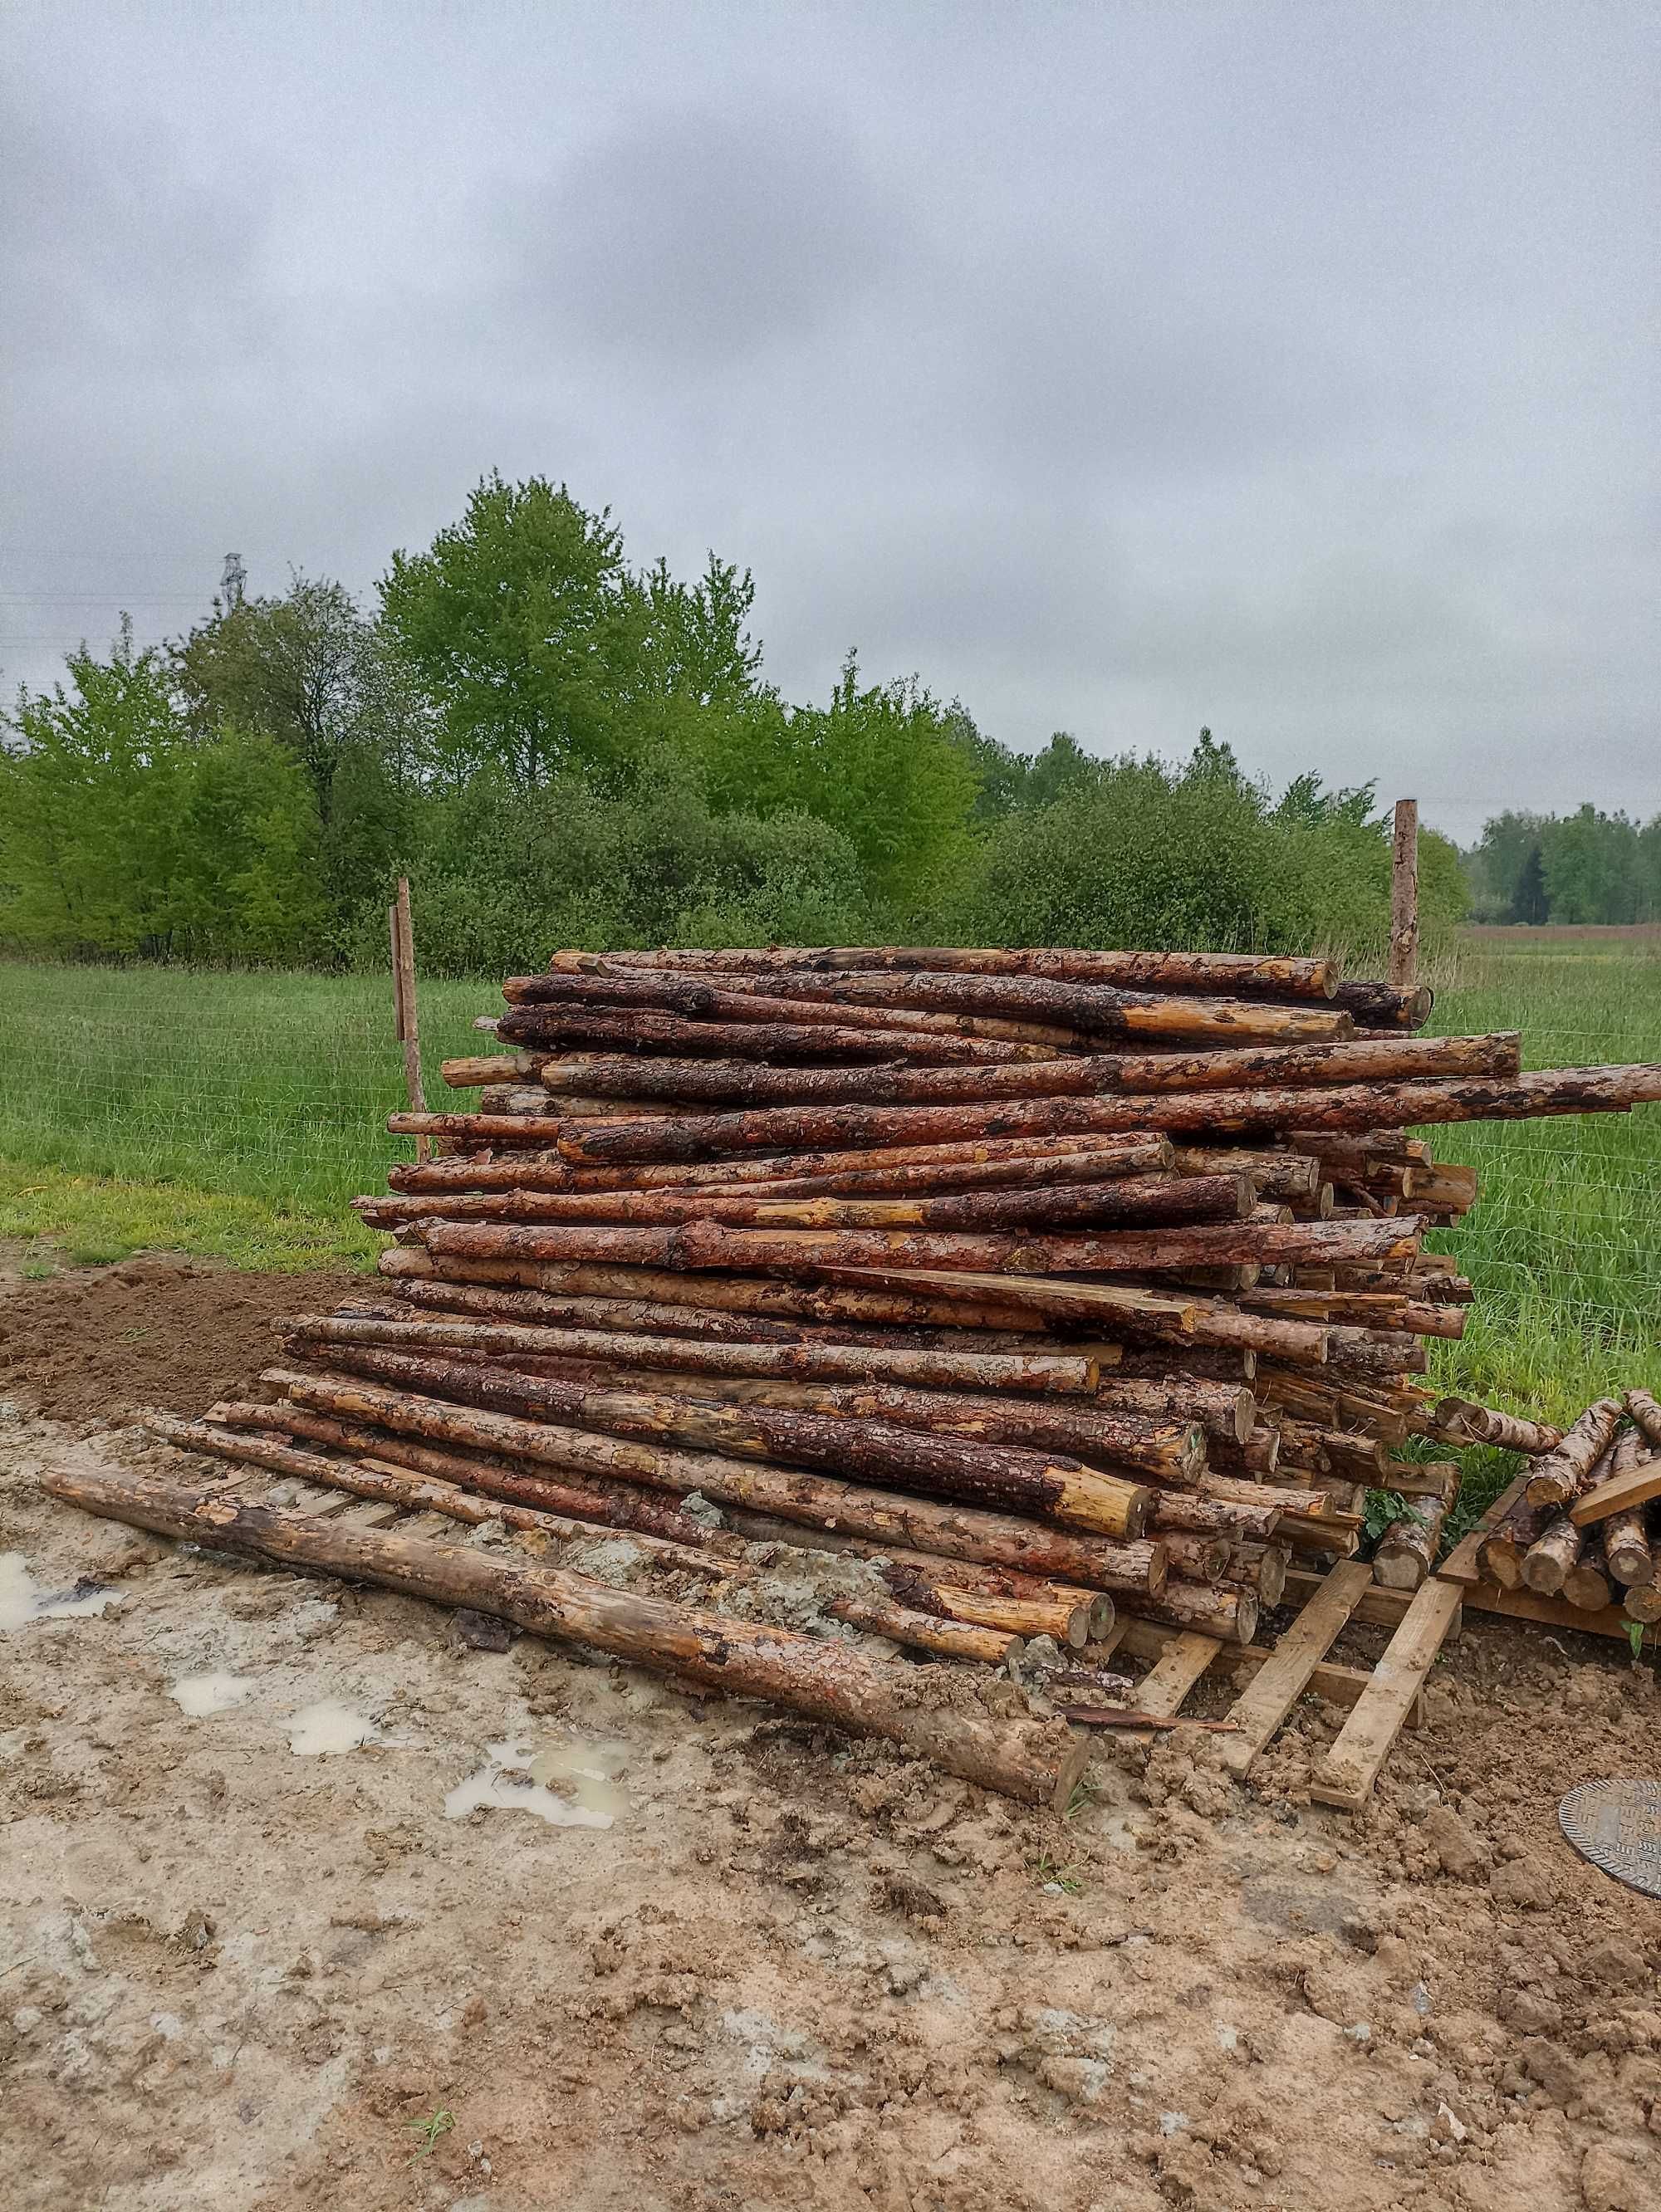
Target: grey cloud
1112, 369
700, 235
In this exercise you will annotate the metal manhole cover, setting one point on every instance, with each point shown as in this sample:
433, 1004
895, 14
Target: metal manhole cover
1617, 1825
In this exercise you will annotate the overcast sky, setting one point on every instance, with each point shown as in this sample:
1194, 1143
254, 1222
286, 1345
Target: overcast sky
1116, 367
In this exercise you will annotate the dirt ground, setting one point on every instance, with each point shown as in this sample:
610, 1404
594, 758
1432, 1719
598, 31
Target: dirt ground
745, 1964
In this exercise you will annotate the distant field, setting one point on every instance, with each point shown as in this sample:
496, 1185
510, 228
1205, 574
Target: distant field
237, 1114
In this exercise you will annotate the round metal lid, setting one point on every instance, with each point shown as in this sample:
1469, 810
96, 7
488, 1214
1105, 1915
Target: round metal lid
1617, 1825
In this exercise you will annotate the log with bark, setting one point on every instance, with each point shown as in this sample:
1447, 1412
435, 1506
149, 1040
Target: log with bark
1240, 975
1357, 1107
754, 1083
828, 1681
1406, 1552
1133, 1200
1559, 1476
1048, 1484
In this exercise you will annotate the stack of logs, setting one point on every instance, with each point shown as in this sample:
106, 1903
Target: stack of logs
1585, 1528
1041, 1282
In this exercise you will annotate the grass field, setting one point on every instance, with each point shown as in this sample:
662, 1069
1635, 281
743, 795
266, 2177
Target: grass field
235, 1115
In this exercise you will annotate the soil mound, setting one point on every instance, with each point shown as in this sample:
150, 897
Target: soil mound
161, 1333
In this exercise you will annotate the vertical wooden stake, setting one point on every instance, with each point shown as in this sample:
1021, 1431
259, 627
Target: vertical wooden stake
404, 1003
1404, 897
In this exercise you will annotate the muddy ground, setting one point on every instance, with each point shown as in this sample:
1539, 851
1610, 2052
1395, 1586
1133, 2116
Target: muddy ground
745, 1965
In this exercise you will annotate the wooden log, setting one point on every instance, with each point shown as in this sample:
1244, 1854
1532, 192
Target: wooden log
545, 1028
1171, 1451
1642, 1602
1177, 1512
828, 1681
709, 1245
956, 1577
629, 1003
1196, 1555
632, 1317
1385, 1005
467, 1073
922, 1368
1259, 1456
1135, 1200
386, 1480
995, 1158
1406, 1552
1262, 1568
1502, 1551
1588, 1583
1441, 1187
1290, 1176
1076, 1013
997, 1475
1645, 1410
1547, 1562
1222, 1610
934, 1594
1403, 968
1240, 975
1558, 1477
599, 1499
1626, 1546
754, 1084
912, 1301
1483, 1426
1344, 1107
1227, 1411
1628, 1476
813, 1500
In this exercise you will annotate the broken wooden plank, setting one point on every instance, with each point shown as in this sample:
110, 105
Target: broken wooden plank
1176, 1671
1279, 1682
1346, 1776
1619, 1493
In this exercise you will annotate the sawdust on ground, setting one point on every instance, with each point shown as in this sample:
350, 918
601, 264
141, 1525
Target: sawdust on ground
692, 1955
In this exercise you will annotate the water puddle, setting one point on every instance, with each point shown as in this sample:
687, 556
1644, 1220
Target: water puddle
318, 1731
514, 1778
23, 1600
196, 1696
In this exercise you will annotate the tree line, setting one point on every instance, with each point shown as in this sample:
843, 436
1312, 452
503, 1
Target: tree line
561, 749
1583, 867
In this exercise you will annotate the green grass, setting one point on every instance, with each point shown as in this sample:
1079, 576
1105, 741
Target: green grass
231, 1115
1564, 1244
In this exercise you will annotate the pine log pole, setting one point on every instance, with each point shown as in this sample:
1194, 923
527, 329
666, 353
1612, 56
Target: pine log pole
405, 1004
1559, 1476
1237, 973
1037, 1764
1646, 1412
816, 1500
1403, 970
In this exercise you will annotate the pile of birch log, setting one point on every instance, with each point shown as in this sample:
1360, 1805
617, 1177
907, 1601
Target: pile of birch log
1041, 1282
1586, 1527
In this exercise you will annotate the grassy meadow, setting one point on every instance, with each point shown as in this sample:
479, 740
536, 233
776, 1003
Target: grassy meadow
234, 1114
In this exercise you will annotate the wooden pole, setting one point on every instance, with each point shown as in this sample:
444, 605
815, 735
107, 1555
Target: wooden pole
403, 1004
1404, 897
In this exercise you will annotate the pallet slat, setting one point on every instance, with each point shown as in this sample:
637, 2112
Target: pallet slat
1346, 1776
1284, 1675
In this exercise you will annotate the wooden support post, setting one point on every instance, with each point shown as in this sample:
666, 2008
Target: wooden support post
403, 1004
1404, 897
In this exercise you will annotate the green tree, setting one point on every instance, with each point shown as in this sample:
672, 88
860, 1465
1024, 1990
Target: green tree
305, 671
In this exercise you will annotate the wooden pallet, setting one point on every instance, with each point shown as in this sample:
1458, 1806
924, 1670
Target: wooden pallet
1383, 1699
